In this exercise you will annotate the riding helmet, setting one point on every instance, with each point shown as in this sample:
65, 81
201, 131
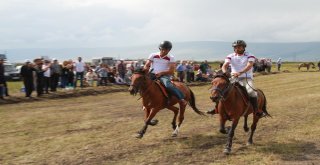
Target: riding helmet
239, 42
165, 45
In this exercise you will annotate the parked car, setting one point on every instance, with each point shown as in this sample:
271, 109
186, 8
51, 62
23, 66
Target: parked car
10, 72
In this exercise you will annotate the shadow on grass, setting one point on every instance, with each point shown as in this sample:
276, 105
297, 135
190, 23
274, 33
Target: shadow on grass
201, 141
291, 151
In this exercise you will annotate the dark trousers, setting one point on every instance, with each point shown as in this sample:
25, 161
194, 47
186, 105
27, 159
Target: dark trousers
40, 86
6, 89
181, 75
80, 75
103, 81
28, 86
192, 76
54, 81
188, 76
46, 83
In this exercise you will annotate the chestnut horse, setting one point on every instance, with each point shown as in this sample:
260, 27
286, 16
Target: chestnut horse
307, 65
233, 102
154, 100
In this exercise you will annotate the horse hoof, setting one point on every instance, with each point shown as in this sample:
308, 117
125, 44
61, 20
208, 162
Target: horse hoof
249, 143
227, 151
246, 129
139, 136
223, 131
154, 122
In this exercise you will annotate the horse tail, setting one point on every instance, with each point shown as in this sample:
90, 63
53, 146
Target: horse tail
192, 103
264, 106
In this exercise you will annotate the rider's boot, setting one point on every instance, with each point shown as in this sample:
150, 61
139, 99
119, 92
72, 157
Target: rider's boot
254, 103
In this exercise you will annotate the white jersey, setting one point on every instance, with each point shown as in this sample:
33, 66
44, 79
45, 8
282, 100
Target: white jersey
238, 63
160, 64
80, 66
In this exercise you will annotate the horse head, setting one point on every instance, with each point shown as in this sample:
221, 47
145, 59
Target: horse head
138, 78
220, 86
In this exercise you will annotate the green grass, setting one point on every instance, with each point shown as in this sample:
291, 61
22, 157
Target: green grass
99, 129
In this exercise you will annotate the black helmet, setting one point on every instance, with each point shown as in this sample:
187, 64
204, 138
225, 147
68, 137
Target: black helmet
239, 42
165, 45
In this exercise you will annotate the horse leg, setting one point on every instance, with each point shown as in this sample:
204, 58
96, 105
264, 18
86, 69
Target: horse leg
227, 149
222, 125
180, 118
245, 125
149, 114
175, 110
253, 128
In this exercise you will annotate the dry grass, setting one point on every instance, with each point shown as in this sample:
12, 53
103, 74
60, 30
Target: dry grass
99, 129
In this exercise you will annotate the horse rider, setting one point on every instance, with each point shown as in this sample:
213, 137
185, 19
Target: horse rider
163, 66
241, 63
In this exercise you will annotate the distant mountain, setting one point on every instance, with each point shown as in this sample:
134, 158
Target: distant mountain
194, 50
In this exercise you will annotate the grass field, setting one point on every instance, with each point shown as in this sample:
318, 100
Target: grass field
100, 129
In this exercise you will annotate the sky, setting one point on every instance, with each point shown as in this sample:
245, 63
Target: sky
118, 23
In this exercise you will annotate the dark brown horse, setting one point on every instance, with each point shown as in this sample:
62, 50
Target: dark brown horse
233, 102
307, 65
154, 100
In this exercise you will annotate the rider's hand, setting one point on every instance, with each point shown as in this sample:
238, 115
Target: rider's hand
158, 75
237, 74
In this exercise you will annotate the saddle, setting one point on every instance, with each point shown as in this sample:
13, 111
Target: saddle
162, 88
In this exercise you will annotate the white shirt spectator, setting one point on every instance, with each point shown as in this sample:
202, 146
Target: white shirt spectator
46, 73
79, 66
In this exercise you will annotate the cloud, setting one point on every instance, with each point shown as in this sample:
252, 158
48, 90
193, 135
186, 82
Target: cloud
101, 23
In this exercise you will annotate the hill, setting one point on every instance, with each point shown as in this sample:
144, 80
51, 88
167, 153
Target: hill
193, 50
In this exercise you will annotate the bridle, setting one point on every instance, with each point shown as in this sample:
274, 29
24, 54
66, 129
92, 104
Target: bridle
222, 93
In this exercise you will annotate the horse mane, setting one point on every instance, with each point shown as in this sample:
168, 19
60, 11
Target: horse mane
224, 76
139, 70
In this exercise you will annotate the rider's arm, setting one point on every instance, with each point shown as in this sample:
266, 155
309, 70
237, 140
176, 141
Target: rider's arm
246, 69
147, 66
225, 67
168, 72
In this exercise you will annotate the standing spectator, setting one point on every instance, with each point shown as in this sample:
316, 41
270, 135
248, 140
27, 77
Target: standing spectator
2, 79
27, 75
80, 68
122, 69
279, 64
46, 75
181, 68
188, 71
40, 77
204, 66
103, 74
91, 76
64, 74
55, 74
70, 77
192, 71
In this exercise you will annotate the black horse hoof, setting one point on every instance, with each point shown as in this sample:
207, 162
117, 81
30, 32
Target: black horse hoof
227, 151
223, 131
139, 135
246, 129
